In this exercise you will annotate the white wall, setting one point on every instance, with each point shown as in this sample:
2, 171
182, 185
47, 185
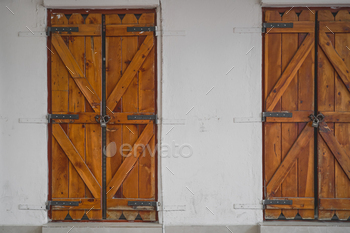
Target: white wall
226, 165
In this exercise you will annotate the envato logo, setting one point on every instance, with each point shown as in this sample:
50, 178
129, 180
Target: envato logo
137, 150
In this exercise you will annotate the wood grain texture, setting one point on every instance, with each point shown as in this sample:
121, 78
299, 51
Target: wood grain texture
84, 30
342, 204
121, 30
299, 203
342, 104
131, 159
306, 98
290, 71
289, 160
76, 159
74, 68
272, 131
325, 102
130, 72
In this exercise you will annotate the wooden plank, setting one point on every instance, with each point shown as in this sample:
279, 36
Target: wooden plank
302, 203
76, 132
342, 100
341, 117
84, 30
130, 72
298, 27
130, 104
289, 160
337, 62
76, 159
337, 150
146, 181
272, 137
75, 70
131, 159
290, 71
93, 59
289, 133
325, 102
59, 102
121, 30
85, 203
306, 92
334, 204
94, 161
334, 26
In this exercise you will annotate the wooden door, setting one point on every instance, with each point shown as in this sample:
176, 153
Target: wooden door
288, 142
130, 90
334, 103
85, 156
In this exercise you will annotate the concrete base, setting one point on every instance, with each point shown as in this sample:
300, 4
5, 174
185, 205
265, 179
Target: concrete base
105, 227
304, 227
213, 229
20, 229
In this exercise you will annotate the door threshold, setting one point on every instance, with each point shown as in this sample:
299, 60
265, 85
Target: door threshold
102, 224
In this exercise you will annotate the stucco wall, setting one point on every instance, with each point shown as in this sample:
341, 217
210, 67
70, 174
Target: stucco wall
195, 71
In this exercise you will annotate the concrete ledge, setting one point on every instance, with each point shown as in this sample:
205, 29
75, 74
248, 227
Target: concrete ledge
304, 227
20, 229
102, 227
211, 229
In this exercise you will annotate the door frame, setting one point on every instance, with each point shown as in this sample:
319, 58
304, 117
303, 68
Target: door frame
282, 10
158, 79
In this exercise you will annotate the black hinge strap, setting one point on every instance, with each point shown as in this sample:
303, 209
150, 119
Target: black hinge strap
143, 203
140, 29
61, 203
62, 116
276, 114
278, 202
142, 117
62, 29
276, 25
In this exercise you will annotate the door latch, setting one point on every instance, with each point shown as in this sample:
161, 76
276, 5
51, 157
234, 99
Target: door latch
316, 119
103, 120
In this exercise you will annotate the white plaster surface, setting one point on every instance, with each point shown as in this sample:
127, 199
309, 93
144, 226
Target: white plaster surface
226, 165
305, 2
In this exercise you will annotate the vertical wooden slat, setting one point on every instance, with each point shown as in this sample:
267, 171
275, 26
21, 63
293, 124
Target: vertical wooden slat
342, 100
289, 99
76, 132
114, 132
130, 104
325, 76
306, 99
272, 154
94, 161
59, 98
93, 73
146, 180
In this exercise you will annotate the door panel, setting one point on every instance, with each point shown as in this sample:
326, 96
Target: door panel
333, 88
288, 150
77, 145
130, 90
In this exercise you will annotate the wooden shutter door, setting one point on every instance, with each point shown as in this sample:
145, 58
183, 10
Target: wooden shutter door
334, 103
76, 144
289, 142
130, 90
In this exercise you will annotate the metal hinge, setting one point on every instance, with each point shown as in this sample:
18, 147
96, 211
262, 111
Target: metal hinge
276, 114
61, 203
62, 116
142, 117
61, 29
136, 204
277, 202
141, 29
276, 25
